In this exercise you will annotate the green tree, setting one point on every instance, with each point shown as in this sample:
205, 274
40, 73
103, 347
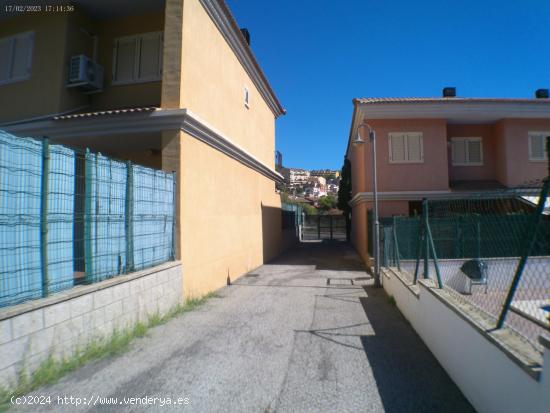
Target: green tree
328, 202
344, 191
286, 199
309, 210
344, 194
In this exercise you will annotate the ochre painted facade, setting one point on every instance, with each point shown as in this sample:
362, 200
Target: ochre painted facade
41, 93
135, 94
213, 82
228, 215
230, 218
57, 37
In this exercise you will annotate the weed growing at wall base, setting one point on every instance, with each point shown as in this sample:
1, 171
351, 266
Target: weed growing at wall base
52, 369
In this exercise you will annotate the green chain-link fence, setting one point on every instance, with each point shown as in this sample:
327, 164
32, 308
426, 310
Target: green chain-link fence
71, 217
493, 249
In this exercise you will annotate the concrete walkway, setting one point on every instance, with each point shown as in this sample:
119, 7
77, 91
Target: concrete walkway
279, 339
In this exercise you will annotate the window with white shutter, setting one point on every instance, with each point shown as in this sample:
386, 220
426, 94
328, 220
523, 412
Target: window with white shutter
537, 146
406, 147
414, 147
150, 56
397, 147
137, 58
474, 152
125, 60
467, 151
16, 57
5, 59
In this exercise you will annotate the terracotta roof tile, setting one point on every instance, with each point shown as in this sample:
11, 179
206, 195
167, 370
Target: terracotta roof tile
106, 113
448, 100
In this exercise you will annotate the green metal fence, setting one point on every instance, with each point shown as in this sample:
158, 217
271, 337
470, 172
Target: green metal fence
71, 217
473, 235
492, 249
324, 227
292, 215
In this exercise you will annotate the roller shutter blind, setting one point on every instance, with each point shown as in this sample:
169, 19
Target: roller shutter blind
406, 147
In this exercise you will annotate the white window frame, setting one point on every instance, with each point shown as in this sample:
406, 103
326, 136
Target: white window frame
544, 153
246, 97
406, 144
136, 76
466, 140
12, 40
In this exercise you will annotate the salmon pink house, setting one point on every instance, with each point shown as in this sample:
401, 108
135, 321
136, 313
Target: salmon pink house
430, 147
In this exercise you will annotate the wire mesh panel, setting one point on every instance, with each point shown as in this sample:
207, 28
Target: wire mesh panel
20, 197
152, 217
387, 253
494, 252
288, 220
104, 217
297, 209
310, 228
74, 217
60, 217
531, 299
407, 230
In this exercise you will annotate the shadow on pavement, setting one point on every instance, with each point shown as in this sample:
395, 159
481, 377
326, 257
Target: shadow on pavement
325, 255
408, 377
324, 287
336, 335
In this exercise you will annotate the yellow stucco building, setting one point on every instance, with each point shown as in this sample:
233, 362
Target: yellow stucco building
169, 84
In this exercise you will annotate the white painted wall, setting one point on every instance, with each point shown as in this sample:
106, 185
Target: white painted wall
487, 376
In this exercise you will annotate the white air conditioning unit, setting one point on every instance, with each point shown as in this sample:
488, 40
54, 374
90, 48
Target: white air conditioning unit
85, 74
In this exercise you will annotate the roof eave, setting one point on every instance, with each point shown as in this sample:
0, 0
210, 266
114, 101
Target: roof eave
106, 124
352, 126
224, 20
465, 109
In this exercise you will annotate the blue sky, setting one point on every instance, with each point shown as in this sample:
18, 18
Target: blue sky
318, 55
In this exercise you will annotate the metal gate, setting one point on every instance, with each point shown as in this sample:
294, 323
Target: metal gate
320, 227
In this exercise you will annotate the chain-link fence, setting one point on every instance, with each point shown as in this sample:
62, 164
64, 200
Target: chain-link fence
70, 217
492, 249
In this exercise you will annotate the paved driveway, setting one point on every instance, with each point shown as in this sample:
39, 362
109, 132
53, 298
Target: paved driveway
279, 339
